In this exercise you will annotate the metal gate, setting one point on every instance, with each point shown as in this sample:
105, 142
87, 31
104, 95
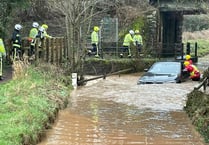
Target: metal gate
109, 37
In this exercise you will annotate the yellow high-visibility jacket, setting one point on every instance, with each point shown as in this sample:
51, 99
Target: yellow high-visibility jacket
127, 40
2, 53
33, 33
194, 71
138, 38
2, 48
94, 38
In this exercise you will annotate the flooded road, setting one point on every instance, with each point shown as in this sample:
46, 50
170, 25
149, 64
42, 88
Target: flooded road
116, 111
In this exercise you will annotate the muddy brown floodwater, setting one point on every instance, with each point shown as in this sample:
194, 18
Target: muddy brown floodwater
116, 111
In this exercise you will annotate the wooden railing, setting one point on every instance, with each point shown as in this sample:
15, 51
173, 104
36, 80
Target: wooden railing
52, 50
81, 82
203, 84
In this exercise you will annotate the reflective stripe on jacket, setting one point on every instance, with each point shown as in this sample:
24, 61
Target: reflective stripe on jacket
127, 40
16, 45
94, 38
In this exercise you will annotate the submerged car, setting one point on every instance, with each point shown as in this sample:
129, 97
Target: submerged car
164, 72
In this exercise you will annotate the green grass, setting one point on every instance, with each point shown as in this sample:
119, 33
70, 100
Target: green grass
26, 105
203, 47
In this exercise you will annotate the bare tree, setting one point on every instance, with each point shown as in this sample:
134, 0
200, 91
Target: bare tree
79, 15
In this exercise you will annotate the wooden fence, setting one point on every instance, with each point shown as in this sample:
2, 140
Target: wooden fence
52, 50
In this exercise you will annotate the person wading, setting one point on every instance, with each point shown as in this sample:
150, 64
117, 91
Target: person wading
193, 70
188, 58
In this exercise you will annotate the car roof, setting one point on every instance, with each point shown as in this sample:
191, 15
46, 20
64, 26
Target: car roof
168, 62
165, 64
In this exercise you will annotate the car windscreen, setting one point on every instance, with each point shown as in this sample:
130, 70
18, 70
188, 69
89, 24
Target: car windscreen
165, 68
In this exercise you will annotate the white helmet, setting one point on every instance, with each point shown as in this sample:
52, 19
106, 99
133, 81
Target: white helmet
131, 32
18, 26
35, 25
41, 29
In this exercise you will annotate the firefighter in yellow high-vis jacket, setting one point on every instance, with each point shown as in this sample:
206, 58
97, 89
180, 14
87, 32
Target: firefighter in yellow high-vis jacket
32, 38
127, 43
95, 41
2, 54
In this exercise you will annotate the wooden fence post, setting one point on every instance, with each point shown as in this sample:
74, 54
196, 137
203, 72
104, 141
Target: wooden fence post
37, 49
188, 50
52, 50
43, 50
65, 51
61, 50
47, 49
57, 51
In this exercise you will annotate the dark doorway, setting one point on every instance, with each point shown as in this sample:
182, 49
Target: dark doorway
172, 32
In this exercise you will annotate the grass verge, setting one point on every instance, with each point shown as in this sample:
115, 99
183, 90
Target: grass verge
29, 103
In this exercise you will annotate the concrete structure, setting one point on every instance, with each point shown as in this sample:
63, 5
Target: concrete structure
166, 24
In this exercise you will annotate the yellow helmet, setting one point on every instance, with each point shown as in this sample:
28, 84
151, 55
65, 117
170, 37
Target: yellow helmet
188, 57
136, 31
96, 28
186, 63
45, 26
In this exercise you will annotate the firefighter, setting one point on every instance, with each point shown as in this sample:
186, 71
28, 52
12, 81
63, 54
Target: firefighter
193, 70
16, 42
138, 41
41, 37
46, 35
188, 58
127, 43
2, 54
95, 41
32, 38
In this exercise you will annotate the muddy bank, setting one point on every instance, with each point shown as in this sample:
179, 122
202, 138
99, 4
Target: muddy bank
197, 108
